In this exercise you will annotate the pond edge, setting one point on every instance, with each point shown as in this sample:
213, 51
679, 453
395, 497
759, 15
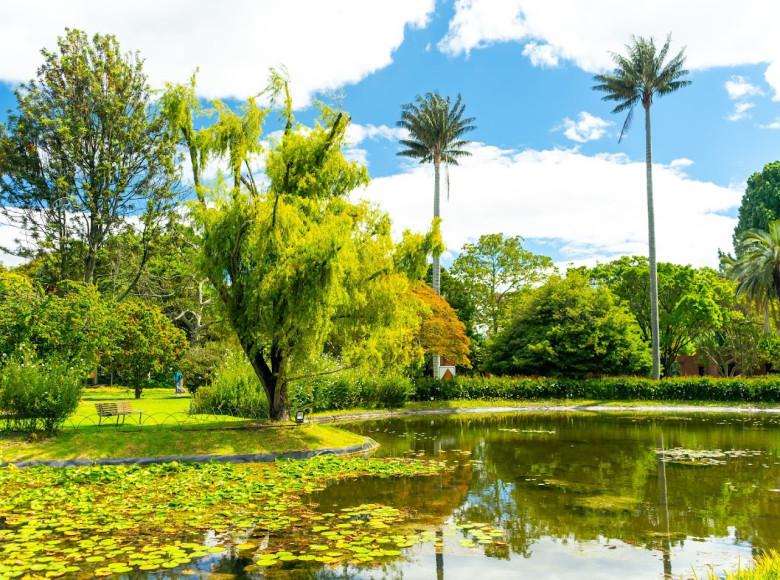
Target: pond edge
368, 446
588, 408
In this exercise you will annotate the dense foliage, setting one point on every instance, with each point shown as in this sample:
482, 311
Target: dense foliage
687, 301
494, 270
234, 390
37, 396
148, 346
350, 391
761, 202
84, 155
567, 327
755, 389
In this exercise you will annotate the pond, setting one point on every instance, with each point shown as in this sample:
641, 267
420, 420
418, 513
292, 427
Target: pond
574, 495
540, 495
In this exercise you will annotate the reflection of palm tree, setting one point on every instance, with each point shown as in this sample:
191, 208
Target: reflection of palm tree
439, 547
663, 508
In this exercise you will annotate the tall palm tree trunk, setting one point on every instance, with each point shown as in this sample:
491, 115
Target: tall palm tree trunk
651, 240
436, 268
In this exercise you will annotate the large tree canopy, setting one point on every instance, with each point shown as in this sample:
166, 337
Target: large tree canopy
687, 301
300, 269
83, 155
567, 327
494, 270
441, 332
761, 203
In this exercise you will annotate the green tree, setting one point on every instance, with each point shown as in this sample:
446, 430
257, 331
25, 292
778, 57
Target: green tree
737, 344
83, 155
300, 270
640, 75
494, 271
436, 127
761, 203
147, 344
73, 326
687, 301
757, 267
567, 327
172, 278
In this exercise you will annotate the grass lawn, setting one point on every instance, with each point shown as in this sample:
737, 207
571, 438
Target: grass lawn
171, 440
158, 407
165, 428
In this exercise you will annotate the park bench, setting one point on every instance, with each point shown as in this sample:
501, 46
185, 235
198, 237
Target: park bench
116, 409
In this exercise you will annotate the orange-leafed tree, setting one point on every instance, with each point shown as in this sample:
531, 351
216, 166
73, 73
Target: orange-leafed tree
440, 330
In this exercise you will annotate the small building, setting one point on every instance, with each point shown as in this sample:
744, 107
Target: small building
447, 369
693, 366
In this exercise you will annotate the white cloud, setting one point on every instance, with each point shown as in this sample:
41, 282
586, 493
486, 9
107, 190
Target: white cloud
585, 32
357, 133
324, 45
738, 87
586, 128
589, 206
740, 111
541, 55
773, 125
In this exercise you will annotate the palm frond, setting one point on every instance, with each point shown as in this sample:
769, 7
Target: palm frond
642, 72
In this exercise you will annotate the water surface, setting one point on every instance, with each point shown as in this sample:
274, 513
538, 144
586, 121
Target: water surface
581, 496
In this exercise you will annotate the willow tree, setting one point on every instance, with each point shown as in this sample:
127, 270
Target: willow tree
639, 76
300, 269
436, 127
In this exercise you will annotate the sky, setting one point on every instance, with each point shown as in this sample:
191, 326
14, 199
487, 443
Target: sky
546, 163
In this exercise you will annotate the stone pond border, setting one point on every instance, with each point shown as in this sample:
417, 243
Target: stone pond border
368, 446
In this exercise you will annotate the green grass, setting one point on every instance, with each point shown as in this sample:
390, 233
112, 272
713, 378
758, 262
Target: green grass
766, 567
158, 407
170, 440
165, 428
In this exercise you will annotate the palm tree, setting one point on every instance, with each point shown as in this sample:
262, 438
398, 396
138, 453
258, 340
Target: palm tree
436, 127
757, 269
640, 75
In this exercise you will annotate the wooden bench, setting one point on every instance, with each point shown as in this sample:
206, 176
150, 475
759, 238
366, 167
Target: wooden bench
117, 409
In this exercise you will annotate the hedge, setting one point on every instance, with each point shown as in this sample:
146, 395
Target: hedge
347, 391
755, 389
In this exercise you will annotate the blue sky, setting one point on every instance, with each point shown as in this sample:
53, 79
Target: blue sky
546, 160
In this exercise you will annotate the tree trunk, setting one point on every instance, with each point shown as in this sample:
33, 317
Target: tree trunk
89, 266
274, 382
651, 242
138, 392
435, 267
277, 400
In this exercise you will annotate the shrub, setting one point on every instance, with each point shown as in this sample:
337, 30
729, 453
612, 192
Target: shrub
567, 327
235, 391
749, 389
350, 390
200, 364
37, 396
